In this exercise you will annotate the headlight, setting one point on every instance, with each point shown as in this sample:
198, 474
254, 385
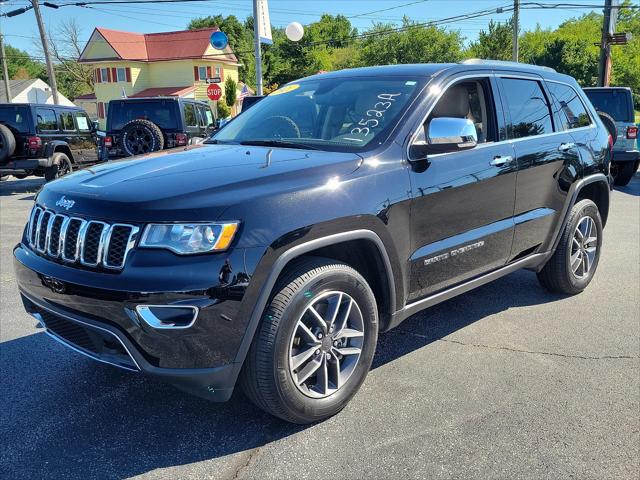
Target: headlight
187, 238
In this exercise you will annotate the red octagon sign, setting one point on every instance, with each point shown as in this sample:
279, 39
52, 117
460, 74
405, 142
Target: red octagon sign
214, 92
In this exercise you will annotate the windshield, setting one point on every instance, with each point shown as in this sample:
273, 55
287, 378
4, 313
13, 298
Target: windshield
162, 113
340, 114
15, 117
613, 102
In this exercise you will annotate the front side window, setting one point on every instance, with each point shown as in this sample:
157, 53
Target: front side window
122, 74
472, 100
570, 108
66, 119
202, 73
46, 120
339, 114
528, 108
84, 124
190, 115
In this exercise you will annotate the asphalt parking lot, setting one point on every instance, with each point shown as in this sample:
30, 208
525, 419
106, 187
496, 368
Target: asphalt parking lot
507, 381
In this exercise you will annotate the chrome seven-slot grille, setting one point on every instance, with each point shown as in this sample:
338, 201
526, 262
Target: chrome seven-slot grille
76, 240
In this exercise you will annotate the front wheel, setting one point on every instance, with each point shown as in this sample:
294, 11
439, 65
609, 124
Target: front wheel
315, 344
575, 261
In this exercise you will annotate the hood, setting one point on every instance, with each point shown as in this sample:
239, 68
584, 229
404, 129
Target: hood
194, 184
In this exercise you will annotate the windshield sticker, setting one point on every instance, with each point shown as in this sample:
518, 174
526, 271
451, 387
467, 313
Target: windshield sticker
287, 89
375, 115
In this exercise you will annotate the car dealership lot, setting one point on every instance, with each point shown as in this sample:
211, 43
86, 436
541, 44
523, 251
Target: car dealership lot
505, 381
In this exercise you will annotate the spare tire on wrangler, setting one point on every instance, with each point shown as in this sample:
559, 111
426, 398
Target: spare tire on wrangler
140, 137
610, 125
7, 143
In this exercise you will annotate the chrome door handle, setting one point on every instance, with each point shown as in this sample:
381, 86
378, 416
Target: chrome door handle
564, 147
500, 160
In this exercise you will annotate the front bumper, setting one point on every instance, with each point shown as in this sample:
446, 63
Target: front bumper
628, 156
94, 313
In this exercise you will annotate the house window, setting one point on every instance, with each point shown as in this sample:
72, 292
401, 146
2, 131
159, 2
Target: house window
122, 74
202, 73
104, 75
217, 71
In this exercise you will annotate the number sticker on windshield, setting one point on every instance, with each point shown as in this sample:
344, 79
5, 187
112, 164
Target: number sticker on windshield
374, 116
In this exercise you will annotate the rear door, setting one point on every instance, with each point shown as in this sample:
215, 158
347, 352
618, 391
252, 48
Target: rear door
547, 158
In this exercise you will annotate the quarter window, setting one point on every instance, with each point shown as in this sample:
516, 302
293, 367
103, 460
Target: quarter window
66, 119
190, 115
47, 120
569, 106
528, 108
122, 74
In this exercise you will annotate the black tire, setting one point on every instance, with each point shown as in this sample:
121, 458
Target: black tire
60, 167
266, 377
7, 143
610, 125
557, 275
140, 137
623, 172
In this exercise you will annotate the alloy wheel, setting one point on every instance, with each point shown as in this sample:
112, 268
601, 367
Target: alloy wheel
326, 344
584, 247
140, 141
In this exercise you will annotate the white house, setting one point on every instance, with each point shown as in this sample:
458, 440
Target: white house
31, 91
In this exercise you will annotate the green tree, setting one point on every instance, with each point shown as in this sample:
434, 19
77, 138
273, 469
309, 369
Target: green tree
494, 44
223, 110
230, 93
21, 66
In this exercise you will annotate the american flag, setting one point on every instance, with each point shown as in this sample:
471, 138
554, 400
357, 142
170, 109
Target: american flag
244, 92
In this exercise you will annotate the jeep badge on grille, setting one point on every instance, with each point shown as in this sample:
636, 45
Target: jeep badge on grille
65, 203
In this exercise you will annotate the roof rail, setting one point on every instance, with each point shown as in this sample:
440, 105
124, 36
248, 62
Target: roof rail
480, 61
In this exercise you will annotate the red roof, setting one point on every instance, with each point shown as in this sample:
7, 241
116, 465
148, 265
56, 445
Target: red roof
86, 96
164, 92
150, 47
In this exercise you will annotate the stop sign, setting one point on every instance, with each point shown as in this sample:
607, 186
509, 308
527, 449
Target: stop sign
214, 92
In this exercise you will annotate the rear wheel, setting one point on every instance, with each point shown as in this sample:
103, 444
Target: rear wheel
60, 167
575, 261
623, 172
316, 342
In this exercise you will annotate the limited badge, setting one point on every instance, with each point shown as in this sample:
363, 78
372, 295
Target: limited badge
286, 89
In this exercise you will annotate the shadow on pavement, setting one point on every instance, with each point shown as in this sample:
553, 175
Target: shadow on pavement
66, 416
633, 188
11, 187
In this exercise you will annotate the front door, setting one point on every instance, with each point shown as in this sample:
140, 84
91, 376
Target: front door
87, 138
462, 209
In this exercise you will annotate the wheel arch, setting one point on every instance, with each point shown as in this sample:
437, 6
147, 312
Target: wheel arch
60, 147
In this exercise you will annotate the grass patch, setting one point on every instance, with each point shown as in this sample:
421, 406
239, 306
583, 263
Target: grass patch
637, 116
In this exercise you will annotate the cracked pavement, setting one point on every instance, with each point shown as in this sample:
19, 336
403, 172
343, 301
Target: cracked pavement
507, 381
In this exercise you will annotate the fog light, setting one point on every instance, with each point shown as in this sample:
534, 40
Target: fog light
168, 316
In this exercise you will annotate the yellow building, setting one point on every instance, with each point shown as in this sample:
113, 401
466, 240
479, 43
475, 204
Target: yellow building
155, 64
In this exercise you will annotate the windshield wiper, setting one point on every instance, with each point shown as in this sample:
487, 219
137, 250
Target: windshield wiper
278, 143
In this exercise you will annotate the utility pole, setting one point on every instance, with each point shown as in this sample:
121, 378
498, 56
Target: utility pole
516, 29
5, 70
256, 40
608, 29
45, 47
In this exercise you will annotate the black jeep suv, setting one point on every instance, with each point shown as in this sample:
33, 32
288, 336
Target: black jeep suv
45, 140
136, 126
335, 208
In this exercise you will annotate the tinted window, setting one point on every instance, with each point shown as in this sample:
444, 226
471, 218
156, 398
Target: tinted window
162, 113
335, 113
46, 119
190, 115
528, 108
15, 117
66, 119
614, 102
570, 108
84, 124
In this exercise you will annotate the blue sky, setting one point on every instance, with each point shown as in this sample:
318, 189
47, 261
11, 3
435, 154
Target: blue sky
20, 31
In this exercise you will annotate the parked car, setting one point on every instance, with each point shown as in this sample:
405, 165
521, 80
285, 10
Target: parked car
136, 126
273, 254
617, 102
45, 140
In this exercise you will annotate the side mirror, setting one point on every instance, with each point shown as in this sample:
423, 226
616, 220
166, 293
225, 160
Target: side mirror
444, 135
95, 125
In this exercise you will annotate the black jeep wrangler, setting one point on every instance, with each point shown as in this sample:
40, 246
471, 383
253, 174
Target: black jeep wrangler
273, 254
45, 140
136, 126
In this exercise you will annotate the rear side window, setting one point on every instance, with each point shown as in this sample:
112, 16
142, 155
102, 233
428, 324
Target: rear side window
46, 120
614, 102
66, 119
528, 108
190, 115
570, 108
